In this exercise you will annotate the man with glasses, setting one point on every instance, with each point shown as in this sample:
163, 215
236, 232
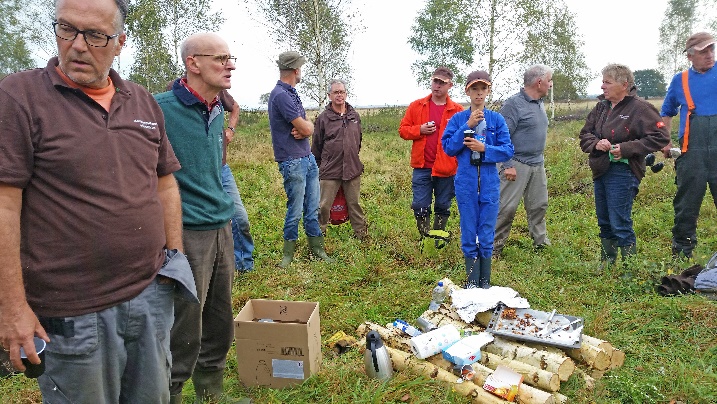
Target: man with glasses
88, 204
290, 132
433, 170
202, 334
336, 145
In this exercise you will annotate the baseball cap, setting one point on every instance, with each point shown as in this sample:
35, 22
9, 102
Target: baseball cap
699, 41
290, 60
476, 76
443, 74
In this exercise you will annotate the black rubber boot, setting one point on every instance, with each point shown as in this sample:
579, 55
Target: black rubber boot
485, 264
628, 251
317, 248
423, 223
289, 248
209, 386
472, 272
608, 253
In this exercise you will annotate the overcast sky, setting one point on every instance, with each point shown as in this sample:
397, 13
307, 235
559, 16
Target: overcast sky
614, 31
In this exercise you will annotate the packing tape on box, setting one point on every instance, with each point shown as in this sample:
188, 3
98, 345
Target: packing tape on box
431, 343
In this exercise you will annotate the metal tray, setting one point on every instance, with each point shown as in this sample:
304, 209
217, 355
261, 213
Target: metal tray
530, 325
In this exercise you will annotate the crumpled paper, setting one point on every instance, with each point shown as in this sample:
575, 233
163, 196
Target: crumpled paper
469, 302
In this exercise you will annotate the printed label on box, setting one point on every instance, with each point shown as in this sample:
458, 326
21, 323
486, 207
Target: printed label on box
286, 369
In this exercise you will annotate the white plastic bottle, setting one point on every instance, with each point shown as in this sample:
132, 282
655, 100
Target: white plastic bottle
407, 328
438, 296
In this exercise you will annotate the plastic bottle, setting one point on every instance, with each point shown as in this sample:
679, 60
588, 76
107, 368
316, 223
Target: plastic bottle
425, 325
477, 157
438, 296
407, 328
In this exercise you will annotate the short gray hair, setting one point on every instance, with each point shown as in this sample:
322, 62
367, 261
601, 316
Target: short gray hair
335, 81
619, 73
535, 72
122, 7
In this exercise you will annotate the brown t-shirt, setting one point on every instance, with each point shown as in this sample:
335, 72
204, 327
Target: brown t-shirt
92, 228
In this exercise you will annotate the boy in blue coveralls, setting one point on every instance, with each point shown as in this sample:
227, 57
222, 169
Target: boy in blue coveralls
477, 184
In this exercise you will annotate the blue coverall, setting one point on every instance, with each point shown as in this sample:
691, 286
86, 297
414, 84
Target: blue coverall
478, 208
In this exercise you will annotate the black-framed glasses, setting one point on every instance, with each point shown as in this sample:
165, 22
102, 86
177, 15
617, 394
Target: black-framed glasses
92, 38
338, 92
219, 58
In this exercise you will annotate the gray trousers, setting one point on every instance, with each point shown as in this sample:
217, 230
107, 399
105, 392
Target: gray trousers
203, 333
352, 192
531, 185
117, 355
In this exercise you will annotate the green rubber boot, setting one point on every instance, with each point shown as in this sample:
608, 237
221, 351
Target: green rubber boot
317, 249
289, 248
608, 253
485, 264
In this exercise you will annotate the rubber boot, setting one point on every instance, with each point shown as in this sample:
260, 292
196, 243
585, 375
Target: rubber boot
484, 281
439, 223
472, 272
209, 385
608, 253
289, 248
423, 223
627, 252
175, 399
317, 248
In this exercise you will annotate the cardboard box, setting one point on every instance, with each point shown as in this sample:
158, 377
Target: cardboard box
278, 342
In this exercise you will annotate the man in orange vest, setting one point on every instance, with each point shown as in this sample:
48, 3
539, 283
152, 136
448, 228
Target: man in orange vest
694, 93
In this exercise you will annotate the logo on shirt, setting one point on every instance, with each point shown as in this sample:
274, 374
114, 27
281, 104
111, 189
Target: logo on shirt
660, 124
624, 116
146, 125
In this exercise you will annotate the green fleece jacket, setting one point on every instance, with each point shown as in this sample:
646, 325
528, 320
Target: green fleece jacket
196, 137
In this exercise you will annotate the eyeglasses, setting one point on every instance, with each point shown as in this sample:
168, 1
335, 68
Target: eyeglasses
219, 58
93, 38
338, 92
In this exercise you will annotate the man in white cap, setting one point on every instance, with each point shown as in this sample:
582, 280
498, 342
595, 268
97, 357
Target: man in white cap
694, 94
290, 132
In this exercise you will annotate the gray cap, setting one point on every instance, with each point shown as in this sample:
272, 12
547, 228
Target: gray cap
290, 60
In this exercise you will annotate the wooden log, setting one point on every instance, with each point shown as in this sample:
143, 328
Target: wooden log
587, 379
526, 393
403, 361
532, 375
542, 359
617, 359
444, 316
598, 343
591, 355
560, 399
391, 337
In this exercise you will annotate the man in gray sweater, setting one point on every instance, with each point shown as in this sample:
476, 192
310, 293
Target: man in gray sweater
524, 175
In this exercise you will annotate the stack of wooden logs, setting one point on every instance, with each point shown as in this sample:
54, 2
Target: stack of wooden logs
543, 367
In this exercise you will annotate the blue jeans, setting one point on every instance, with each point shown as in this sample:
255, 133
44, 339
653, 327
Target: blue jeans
117, 355
425, 186
243, 242
301, 183
615, 192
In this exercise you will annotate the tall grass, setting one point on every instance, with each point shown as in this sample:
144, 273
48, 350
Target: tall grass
671, 343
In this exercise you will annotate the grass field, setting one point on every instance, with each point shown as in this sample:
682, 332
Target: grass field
671, 343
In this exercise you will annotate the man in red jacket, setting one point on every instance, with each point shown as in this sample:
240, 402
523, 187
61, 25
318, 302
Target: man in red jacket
433, 170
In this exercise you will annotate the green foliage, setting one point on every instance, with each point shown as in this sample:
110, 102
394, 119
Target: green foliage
650, 83
670, 343
156, 29
319, 29
552, 40
501, 37
443, 36
676, 27
14, 49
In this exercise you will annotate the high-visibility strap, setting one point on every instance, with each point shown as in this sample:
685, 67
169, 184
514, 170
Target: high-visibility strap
690, 108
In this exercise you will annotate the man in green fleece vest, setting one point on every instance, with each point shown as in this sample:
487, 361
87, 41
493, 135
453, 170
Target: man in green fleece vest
202, 334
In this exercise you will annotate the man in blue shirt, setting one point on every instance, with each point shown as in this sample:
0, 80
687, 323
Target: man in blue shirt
290, 132
694, 93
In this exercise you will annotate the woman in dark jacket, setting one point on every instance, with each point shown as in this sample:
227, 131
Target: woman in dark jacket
336, 145
618, 133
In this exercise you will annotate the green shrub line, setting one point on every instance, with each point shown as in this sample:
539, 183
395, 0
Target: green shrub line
670, 343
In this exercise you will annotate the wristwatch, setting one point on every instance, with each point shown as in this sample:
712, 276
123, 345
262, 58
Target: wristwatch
231, 128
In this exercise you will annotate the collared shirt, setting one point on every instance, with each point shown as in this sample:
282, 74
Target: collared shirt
703, 89
210, 105
285, 106
528, 126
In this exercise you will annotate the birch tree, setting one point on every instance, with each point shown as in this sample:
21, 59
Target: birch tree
676, 27
321, 30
